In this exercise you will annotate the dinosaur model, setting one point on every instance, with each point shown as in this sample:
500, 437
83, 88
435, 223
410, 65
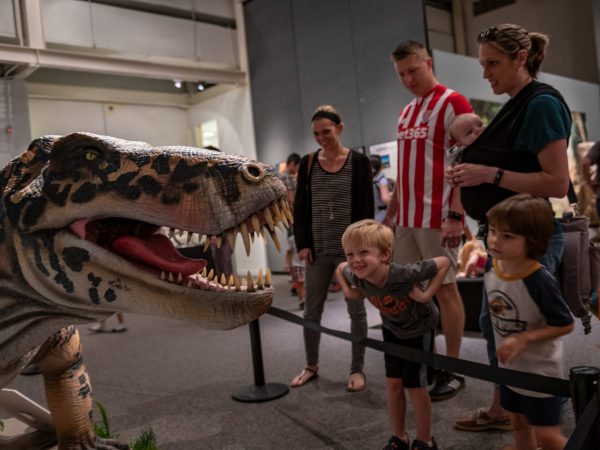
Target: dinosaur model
85, 225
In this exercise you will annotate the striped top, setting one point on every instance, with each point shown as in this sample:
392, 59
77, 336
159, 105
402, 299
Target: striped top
331, 206
423, 194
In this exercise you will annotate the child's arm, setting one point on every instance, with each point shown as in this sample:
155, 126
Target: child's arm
514, 345
350, 292
443, 264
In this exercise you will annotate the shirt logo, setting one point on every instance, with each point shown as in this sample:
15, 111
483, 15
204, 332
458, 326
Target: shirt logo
413, 133
389, 305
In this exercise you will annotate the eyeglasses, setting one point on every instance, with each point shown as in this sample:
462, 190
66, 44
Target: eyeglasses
490, 35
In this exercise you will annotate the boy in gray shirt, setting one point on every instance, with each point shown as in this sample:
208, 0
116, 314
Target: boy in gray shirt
409, 318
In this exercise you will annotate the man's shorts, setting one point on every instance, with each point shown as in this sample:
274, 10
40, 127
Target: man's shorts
416, 244
540, 412
414, 375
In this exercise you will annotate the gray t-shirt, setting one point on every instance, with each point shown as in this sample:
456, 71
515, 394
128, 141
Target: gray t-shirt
401, 315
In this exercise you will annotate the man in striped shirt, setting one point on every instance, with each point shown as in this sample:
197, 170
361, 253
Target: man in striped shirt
426, 209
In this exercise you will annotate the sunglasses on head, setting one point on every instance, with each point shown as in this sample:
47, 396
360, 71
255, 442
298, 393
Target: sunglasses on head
492, 33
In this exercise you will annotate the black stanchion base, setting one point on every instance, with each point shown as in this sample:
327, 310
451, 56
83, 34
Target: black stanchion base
264, 393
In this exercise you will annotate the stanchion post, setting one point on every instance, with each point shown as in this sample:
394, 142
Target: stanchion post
585, 383
257, 361
260, 391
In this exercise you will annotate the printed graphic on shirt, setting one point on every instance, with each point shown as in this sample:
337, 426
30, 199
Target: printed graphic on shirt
390, 305
504, 313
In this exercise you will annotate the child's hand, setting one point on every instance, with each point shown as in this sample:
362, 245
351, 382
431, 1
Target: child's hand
350, 292
512, 347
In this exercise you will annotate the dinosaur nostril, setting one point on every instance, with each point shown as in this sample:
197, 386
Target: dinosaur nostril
253, 172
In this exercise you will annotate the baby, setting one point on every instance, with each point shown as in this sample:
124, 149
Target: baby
464, 129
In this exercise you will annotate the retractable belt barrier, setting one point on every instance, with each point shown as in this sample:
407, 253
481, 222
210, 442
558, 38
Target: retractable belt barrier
523, 380
538, 383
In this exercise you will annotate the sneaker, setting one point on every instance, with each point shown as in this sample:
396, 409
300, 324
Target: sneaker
395, 443
119, 328
420, 445
446, 386
480, 421
98, 327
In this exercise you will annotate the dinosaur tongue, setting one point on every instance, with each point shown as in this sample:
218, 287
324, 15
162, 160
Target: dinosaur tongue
157, 251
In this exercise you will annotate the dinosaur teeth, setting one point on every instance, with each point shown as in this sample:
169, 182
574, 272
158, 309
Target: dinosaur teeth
287, 211
255, 222
259, 280
230, 238
268, 278
245, 238
275, 240
250, 283
268, 218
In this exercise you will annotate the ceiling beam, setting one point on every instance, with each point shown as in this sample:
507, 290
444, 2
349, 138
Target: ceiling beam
164, 68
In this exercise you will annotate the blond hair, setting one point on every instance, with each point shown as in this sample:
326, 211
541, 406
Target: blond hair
370, 233
510, 39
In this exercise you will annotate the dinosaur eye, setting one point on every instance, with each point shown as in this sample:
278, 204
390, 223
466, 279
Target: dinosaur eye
91, 155
253, 172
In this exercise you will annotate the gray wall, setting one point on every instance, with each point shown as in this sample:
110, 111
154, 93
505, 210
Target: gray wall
569, 23
303, 53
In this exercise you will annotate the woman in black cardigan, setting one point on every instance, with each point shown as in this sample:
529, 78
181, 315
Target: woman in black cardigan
334, 190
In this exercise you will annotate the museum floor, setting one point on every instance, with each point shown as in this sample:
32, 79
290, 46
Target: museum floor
179, 379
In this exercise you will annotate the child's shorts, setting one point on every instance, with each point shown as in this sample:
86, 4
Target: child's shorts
414, 375
297, 273
542, 412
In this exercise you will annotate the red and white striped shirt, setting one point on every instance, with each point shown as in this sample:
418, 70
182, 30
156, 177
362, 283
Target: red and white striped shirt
423, 194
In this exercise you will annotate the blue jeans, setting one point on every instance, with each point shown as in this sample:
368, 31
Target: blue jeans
551, 260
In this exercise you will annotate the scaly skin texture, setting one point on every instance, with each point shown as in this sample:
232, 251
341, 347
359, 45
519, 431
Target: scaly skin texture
84, 221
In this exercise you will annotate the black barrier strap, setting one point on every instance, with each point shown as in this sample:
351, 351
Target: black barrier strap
523, 380
584, 425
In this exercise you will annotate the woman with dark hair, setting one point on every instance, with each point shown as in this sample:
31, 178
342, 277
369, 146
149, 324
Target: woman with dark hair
333, 191
523, 150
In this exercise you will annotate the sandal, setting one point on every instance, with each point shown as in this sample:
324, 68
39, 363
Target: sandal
357, 382
305, 376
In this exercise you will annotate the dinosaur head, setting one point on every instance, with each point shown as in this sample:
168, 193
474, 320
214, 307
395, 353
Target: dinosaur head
93, 216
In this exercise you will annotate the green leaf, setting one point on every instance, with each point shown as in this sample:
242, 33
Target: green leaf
102, 429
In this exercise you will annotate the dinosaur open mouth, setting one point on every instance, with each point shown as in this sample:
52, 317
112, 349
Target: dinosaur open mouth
150, 248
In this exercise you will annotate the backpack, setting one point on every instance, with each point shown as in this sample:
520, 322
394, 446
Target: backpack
579, 270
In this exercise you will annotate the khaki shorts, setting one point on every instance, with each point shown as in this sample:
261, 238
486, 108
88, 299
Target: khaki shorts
416, 244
